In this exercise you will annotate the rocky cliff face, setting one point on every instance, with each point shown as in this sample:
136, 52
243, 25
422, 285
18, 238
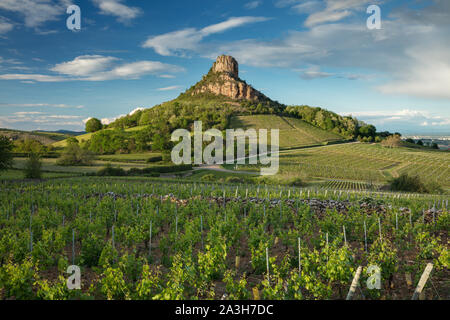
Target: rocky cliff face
226, 64
223, 79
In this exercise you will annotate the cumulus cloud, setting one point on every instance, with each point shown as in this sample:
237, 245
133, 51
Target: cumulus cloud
36, 12
118, 9
107, 121
97, 68
169, 88
176, 42
428, 75
84, 65
136, 110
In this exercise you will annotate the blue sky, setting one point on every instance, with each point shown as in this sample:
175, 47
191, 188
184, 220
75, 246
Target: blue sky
136, 53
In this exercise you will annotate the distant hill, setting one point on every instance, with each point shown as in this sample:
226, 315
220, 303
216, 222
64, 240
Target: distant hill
66, 132
221, 100
44, 137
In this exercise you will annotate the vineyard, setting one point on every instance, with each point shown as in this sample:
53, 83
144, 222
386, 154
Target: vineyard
364, 162
351, 185
155, 239
293, 132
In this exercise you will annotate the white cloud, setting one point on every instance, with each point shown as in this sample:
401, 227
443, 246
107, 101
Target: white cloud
335, 10
167, 76
136, 110
117, 9
252, 4
33, 77
84, 65
313, 73
134, 70
36, 12
40, 117
97, 68
169, 88
9, 61
107, 121
324, 11
5, 26
428, 75
176, 42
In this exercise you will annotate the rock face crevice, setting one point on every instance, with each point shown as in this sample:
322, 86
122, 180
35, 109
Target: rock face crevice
223, 79
226, 64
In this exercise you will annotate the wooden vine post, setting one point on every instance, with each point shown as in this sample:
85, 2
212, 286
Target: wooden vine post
355, 284
422, 282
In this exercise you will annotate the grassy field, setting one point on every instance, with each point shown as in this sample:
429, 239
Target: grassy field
293, 132
133, 157
50, 165
14, 174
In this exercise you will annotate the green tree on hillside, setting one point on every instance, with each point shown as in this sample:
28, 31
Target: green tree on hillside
109, 142
74, 155
5, 153
159, 143
367, 131
30, 146
93, 125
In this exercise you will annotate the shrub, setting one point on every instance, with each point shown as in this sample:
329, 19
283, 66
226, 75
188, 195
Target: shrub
408, 184
92, 250
434, 187
74, 155
111, 171
17, 280
166, 157
33, 167
208, 177
295, 182
5, 153
234, 180
155, 159
393, 141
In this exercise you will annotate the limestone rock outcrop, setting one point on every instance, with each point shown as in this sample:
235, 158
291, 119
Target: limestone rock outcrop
223, 79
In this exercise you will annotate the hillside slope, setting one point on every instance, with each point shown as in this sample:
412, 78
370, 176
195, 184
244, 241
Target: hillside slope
293, 132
